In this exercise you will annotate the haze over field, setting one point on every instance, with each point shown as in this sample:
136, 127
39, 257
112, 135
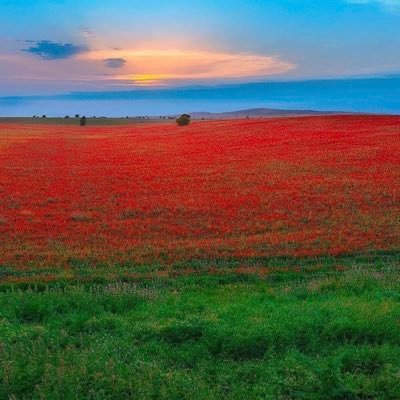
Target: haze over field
362, 95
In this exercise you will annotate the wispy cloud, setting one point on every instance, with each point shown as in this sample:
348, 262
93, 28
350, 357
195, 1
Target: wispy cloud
391, 5
87, 33
49, 50
114, 62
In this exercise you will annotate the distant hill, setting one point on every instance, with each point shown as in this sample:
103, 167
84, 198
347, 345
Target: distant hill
260, 112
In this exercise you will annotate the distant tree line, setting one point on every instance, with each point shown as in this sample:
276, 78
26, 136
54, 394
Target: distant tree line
182, 120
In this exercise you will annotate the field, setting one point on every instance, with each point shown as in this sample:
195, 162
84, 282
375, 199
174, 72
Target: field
72, 121
227, 259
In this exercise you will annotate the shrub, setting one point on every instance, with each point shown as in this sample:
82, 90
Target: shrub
82, 121
183, 120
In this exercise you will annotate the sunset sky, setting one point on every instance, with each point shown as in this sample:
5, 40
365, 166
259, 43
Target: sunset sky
60, 46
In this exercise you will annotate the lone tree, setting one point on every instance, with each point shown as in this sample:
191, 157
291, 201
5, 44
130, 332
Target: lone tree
76, 115
183, 120
82, 121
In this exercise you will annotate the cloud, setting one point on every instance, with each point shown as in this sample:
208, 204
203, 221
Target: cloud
163, 66
49, 50
87, 33
114, 62
392, 5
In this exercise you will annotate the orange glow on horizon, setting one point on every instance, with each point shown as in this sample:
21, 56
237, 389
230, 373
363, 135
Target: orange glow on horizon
161, 66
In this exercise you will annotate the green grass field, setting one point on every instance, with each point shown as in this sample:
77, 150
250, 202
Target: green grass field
326, 330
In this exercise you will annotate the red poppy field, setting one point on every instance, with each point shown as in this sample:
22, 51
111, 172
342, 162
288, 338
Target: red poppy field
161, 194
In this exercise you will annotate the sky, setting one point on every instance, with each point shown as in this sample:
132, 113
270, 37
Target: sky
61, 46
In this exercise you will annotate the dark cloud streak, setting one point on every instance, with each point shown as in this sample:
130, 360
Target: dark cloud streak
49, 50
114, 62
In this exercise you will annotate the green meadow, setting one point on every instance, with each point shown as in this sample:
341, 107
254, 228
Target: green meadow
327, 330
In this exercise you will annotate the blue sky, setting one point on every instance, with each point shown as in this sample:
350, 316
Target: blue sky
58, 46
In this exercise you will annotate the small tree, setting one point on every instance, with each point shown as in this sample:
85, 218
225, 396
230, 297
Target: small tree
44, 116
183, 120
82, 121
76, 115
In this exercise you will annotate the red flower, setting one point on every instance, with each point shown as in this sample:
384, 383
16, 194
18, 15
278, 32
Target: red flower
247, 188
